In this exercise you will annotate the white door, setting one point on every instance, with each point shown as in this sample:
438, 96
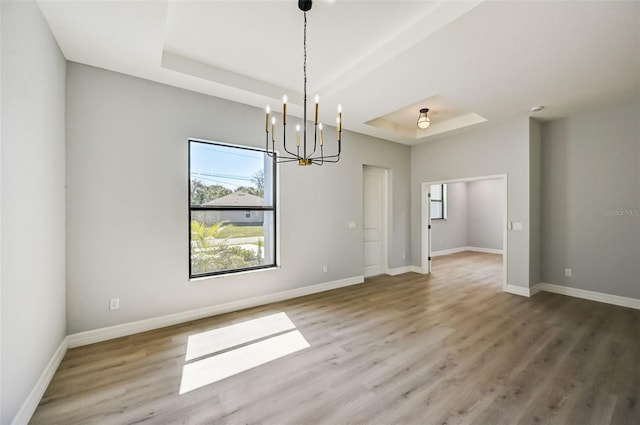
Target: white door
374, 208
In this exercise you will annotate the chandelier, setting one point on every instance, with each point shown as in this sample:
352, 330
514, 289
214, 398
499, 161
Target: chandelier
303, 153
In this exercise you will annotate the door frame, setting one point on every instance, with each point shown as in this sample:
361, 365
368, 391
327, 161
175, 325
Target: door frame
425, 220
386, 216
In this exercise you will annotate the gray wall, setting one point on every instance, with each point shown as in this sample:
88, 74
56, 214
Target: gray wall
485, 215
452, 232
591, 200
127, 211
32, 202
535, 179
498, 149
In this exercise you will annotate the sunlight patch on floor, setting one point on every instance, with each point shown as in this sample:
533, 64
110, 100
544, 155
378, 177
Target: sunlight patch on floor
210, 342
215, 367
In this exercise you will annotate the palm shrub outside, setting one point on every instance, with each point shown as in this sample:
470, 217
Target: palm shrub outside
210, 252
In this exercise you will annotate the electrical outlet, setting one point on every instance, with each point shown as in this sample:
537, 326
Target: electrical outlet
324, 268
114, 304
567, 272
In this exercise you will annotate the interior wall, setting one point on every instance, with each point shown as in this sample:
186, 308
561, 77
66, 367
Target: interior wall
535, 184
485, 213
591, 200
498, 149
452, 232
127, 192
32, 202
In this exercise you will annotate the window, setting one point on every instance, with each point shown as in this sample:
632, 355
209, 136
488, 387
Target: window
438, 201
232, 208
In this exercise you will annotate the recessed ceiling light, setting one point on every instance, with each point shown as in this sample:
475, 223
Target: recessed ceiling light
537, 108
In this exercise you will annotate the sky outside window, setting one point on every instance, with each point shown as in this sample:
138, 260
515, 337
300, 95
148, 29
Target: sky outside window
225, 166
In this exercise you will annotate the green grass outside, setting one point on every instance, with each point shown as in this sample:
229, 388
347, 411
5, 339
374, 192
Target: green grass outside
231, 231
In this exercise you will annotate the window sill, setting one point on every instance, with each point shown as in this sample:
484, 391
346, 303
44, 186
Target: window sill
218, 276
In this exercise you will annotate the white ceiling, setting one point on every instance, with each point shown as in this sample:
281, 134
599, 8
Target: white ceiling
468, 61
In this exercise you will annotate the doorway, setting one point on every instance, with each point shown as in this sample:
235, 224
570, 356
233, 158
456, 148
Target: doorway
374, 220
427, 223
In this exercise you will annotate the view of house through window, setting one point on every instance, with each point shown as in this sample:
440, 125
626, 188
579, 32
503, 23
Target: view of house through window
232, 209
438, 201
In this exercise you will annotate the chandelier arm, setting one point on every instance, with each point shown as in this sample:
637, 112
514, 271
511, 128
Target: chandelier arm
272, 153
315, 140
281, 160
284, 140
329, 158
330, 161
317, 160
336, 155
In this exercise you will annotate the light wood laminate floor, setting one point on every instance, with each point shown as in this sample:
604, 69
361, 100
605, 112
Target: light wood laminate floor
450, 348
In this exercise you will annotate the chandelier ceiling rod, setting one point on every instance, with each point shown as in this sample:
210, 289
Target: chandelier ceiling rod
304, 157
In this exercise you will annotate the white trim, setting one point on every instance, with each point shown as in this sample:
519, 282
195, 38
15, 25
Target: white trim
103, 334
535, 289
465, 248
517, 290
485, 250
588, 295
448, 251
31, 403
425, 229
399, 270
416, 269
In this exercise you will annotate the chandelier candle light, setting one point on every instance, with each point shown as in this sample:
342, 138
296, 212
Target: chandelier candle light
303, 154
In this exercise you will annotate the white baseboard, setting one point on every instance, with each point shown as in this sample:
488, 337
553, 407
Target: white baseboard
485, 250
31, 403
587, 295
399, 270
535, 289
405, 269
448, 251
465, 248
103, 334
518, 290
